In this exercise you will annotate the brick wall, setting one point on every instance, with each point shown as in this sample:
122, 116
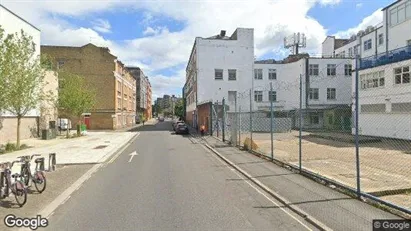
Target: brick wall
28, 129
204, 116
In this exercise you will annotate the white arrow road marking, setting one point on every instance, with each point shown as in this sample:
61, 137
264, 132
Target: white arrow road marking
132, 155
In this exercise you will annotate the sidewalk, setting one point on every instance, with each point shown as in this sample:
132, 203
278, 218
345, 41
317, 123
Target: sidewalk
332, 208
95, 147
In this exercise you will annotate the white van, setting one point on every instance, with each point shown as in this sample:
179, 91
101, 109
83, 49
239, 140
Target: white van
63, 124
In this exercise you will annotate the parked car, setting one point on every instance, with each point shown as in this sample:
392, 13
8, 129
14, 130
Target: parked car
176, 124
161, 119
182, 128
63, 124
138, 120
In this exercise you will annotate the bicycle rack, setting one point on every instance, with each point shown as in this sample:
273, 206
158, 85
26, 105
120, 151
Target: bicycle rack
52, 162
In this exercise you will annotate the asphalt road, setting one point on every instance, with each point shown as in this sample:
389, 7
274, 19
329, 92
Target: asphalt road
172, 184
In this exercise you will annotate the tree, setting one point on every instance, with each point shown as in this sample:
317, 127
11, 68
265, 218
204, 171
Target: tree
75, 96
2, 79
22, 76
179, 109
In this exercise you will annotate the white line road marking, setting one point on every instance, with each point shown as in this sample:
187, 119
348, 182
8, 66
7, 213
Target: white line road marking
122, 150
258, 190
132, 155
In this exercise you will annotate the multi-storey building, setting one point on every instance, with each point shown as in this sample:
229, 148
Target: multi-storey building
39, 118
143, 91
384, 73
115, 88
149, 107
217, 65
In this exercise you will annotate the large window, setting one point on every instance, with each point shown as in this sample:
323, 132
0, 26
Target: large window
232, 74
313, 69
258, 96
367, 44
313, 93
380, 39
272, 96
400, 13
347, 69
314, 118
402, 75
272, 74
331, 94
258, 73
372, 80
218, 74
331, 69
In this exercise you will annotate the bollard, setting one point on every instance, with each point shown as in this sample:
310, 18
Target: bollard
52, 162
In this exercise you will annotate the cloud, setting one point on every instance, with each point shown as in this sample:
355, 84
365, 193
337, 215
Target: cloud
102, 26
162, 48
372, 20
358, 5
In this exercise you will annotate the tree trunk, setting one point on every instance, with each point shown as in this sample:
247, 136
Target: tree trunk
18, 131
79, 127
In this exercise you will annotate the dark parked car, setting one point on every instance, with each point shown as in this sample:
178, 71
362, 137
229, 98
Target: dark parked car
161, 119
181, 128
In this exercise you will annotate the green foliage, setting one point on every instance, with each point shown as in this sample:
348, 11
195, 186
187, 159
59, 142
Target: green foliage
179, 109
47, 62
75, 96
10, 147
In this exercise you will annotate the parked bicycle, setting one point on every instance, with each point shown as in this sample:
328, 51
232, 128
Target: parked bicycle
38, 177
8, 186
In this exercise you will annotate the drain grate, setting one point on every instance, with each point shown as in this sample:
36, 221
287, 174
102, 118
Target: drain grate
100, 147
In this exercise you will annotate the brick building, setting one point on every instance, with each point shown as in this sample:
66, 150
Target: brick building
115, 86
143, 93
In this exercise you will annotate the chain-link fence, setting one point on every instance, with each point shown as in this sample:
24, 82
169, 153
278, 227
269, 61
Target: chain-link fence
314, 127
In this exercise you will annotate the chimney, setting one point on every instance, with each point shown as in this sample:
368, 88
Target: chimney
222, 33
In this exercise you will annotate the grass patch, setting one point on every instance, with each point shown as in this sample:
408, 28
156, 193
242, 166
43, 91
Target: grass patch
11, 147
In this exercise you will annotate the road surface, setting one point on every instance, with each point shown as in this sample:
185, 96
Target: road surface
173, 183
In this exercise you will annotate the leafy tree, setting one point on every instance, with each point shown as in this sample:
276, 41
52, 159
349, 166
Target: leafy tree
179, 109
75, 96
21, 76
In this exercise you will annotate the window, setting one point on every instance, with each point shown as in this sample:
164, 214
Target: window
258, 73
258, 96
272, 96
408, 9
218, 74
402, 75
372, 80
367, 44
232, 74
380, 39
272, 74
343, 54
232, 95
331, 93
313, 93
356, 50
400, 13
314, 118
350, 52
331, 69
313, 69
347, 69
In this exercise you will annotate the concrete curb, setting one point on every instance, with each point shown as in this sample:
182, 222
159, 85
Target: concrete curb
284, 201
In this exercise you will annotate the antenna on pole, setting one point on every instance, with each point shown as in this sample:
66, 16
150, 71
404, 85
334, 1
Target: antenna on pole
294, 42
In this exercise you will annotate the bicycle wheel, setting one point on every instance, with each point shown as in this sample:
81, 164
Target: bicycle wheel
20, 193
39, 180
25, 175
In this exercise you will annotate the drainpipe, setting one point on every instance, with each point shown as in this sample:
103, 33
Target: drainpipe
376, 42
386, 32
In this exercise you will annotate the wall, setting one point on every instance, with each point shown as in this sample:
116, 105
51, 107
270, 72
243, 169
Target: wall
388, 123
397, 34
261, 123
28, 129
48, 108
328, 46
370, 52
11, 24
224, 54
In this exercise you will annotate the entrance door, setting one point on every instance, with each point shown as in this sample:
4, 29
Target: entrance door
87, 121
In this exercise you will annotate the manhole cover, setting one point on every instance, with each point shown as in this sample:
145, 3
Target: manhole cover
100, 147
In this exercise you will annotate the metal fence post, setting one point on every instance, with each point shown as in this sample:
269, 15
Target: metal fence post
301, 123
210, 123
271, 120
235, 118
217, 119
357, 144
251, 121
239, 125
223, 122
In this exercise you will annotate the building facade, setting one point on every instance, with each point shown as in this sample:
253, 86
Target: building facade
36, 119
149, 108
115, 88
143, 92
217, 65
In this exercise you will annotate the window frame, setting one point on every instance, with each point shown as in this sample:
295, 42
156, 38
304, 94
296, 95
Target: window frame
257, 72
257, 94
314, 115
231, 71
270, 96
329, 93
312, 68
401, 75
380, 39
331, 68
312, 92
348, 67
367, 44
271, 72
216, 70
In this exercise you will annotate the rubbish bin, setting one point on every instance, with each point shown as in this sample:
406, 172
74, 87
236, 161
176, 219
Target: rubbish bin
46, 134
83, 127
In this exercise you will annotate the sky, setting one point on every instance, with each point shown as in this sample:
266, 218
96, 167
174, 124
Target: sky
157, 35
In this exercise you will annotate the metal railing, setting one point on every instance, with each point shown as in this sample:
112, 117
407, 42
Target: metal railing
393, 56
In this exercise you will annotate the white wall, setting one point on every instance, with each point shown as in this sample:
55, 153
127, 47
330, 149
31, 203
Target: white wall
346, 47
381, 47
287, 85
370, 52
224, 54
11, 24
340, 82
328, 46
399, 33
387, 124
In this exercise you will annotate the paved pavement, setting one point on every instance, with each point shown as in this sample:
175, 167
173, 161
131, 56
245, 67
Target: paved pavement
172, 184
334, 209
